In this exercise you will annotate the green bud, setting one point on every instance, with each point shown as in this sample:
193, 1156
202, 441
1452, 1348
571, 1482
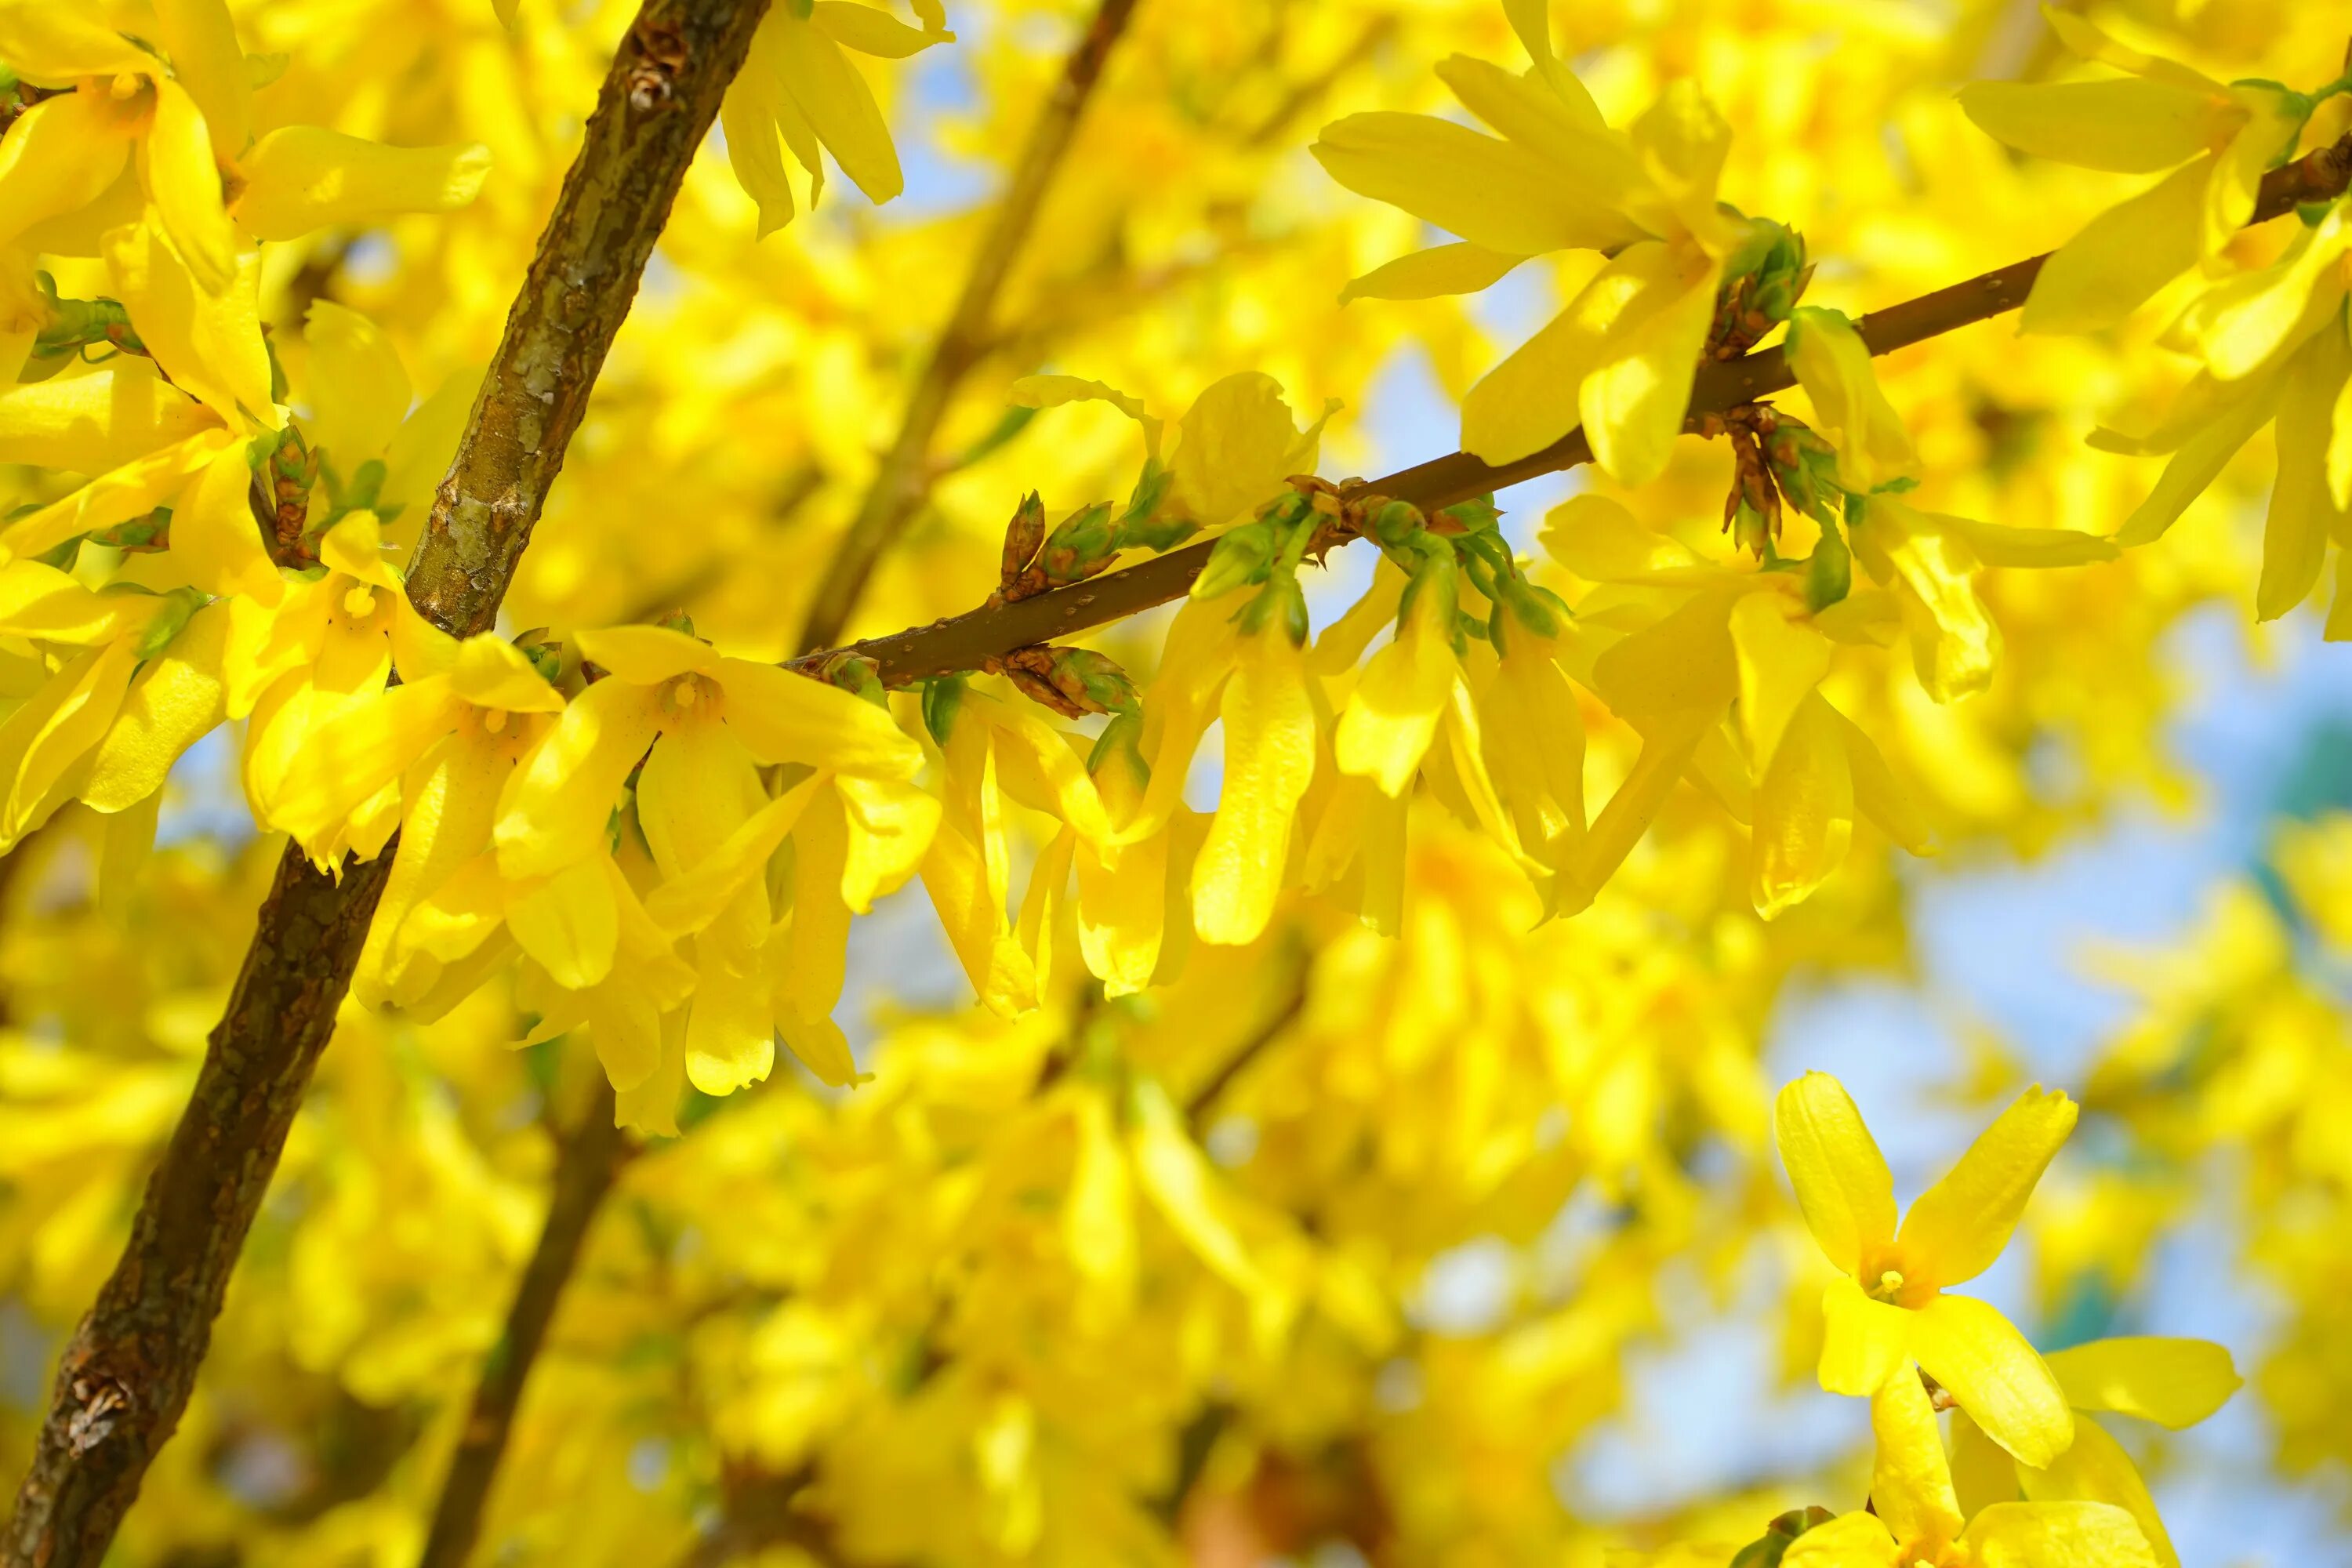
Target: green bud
1151, 490
1023, 536
1095, 679
1766, 1550
1475, 515
855, 672
1395, 522
1082, 546
942, 700
1239, 558
1278, 604
1117, 755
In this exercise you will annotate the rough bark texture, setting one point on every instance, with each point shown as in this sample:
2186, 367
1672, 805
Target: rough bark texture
590, 1162
658, 103
905, 475
965, 642
127, 1373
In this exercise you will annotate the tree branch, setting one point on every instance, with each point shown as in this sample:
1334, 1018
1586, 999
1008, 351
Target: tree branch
904, 478
589, 1162
126, 1376
965, 642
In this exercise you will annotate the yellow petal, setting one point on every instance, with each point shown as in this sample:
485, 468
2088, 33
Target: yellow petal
2273, 120
1238, 446
567, 922
305, 177
214, 537
209, 341
1462, 268
1590, 162
840, 107
2122, 257
1270, 743
208, 60
1954, 643
651, 1107
91, 424
2057, 1535
131, 491
1983, 1473
873, 32
810, 963
1849, 1540
176, 164
1781, 661
822, 1048
62, 154
491, 672
1392, 716
357, 390
691, 899
2241, 323
63, 736
1959, 1226
1493, 193
1833, 366
1911, 1482
1880, 796
1122, 913
747, 118
644, 656
2200, 459
1666, 748
345, 761
891, 822
1600, 541
1638, 392
2131, 126
955, 875
1803, 810
784, 717
174, 701
2174, 1383
730, 1033
2303, 511
52, 44
2096, 1469
1993, 1375
2087, 40
1684, 662
1528, 401
1863, 1343
555, 807
1996, 544
1841, 1180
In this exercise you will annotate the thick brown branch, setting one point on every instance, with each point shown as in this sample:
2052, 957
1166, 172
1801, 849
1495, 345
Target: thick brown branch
899, 484
964, 642
127, 1373
591, 1160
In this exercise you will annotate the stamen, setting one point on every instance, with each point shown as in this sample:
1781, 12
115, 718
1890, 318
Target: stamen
495, 721
360, 603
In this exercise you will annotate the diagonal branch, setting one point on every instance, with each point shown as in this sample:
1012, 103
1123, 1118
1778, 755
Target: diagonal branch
967, 641
589, 1162
125, 1377
900, 483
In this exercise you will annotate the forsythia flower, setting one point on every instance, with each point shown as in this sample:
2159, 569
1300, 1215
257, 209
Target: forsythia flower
1619, 360
2277, 349
799, 85
2222, 137
1889, 1309
2173, 1383
1916, 1523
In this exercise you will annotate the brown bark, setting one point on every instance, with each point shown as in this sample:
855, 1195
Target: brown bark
127, 1373
589, 1163
965, 642
905, 475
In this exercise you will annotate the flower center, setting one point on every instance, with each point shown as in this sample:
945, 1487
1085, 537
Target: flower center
495, 721
360, 603
1888, 1286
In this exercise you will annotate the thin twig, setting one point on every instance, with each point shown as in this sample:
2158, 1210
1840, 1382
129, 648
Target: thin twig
966, 642
126, 1376
589, 1162
904, 477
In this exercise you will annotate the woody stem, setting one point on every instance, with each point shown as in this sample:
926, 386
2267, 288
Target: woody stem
963, 642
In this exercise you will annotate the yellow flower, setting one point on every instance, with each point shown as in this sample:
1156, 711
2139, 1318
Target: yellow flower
1270, 750
1916, 1523
2162, 114
800, 85
701, 724
1834, 367
2173, 1383
175, 107
1619, 360
1889, 1308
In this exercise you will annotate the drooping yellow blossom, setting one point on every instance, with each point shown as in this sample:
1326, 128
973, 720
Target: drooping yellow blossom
1915, 1520
800, 86
1889, 1308
2173, 1383
2216, 139
1619, 360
